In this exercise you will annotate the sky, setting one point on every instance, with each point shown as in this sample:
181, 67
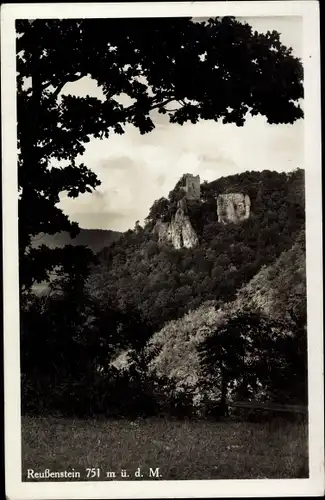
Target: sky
136, 170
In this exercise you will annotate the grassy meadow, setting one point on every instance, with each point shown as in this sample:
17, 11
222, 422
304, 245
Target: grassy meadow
181, 449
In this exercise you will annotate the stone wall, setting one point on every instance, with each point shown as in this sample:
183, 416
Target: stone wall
233, 207
192, 187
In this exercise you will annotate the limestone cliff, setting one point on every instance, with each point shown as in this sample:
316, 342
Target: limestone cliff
233, 207
179, 231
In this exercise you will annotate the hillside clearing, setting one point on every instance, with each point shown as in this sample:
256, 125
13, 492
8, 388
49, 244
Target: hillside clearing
181, 449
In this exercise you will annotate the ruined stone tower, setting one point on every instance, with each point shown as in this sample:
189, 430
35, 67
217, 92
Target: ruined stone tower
233, 207
192, 187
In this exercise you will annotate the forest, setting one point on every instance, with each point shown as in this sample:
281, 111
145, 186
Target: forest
196, 327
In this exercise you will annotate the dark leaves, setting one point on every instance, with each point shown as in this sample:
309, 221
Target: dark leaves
207, 68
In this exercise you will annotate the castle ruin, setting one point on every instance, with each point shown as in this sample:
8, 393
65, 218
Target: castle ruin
192, 187
233, 207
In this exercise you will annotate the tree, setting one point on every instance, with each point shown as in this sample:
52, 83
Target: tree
246, 353
55, 322
190, 71
77, 338
159, 210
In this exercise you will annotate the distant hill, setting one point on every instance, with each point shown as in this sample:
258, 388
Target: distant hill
96, 239
141, 272
274, 290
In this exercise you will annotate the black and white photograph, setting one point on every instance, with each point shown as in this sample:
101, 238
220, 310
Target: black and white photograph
162, 250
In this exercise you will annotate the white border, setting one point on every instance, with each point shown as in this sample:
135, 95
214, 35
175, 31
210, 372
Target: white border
314, 486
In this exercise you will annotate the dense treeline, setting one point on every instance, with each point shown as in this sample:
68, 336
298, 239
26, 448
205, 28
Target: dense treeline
254, 347
164, 283
71, 336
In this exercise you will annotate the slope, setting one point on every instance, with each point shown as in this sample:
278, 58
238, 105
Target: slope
275, 290
163, 283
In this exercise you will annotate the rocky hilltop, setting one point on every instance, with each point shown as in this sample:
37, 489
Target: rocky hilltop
179, 230
206, 255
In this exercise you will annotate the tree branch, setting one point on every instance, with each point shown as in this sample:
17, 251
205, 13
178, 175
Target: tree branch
70, 79
46, 85
128, 111
163, 103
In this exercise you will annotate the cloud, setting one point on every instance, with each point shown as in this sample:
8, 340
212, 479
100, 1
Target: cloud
135, 170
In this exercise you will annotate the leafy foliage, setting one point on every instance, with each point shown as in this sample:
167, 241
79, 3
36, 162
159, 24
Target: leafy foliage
77, 339
137, 286
261, 351
164, 283
251, 356
183, 65
279, 290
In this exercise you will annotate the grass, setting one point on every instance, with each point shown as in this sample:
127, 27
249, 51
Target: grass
181, 449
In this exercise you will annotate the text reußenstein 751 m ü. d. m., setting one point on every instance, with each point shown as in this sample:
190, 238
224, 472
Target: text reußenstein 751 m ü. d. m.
94, 473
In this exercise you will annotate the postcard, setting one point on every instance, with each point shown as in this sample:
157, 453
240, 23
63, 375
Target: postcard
162, 258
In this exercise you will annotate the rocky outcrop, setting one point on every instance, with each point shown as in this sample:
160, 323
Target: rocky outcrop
179, 231
233, 207
163, 230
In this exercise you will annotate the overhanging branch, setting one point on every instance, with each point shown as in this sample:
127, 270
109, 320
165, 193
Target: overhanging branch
69, 79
